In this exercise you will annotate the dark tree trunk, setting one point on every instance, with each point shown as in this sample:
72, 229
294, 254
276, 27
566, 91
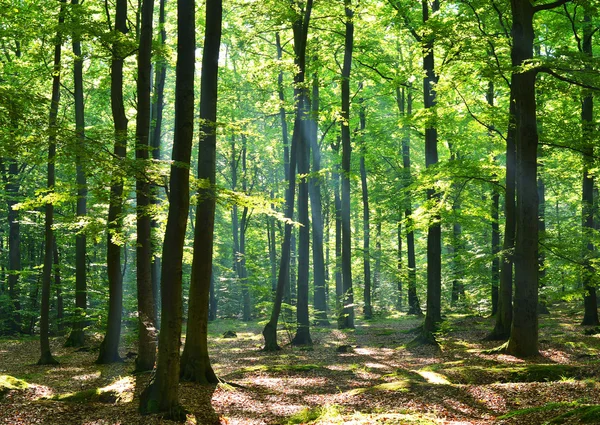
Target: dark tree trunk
434, 232
377, 271
195, 362
337, 204
109, 349
77, 336
162, 394
495, 225
399, 298
368, 311
155, 142
414, 306
347, 315
46, 357
458, 289
272, 248
316, 209
60, 309
590, 315
504, 314
146, 311
14, 246
523, 339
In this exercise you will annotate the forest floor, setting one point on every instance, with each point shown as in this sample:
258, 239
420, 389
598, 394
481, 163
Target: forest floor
379, 379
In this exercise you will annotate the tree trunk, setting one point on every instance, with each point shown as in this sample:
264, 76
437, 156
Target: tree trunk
162, 394
524, 331
414, 306
14, 246
195, 362
46, 357
339, 291
434, 233
109, 349
60, 310
155, 142
316, 209
495, 225
300, 36
368, 311
590, 315
399, 298
146, 312
212, 300
347, 315
458, 290
77, 336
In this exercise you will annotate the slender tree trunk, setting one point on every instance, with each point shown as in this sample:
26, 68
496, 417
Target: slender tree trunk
300, 36
155, 142
523, 339
399, 298
339, 291
495, 225
414, 306
434, 233
457, 246
368, 311
195, 362
347, 319
46, 357
590, 315
316, 209
109, 349
77, 336
212, 309
146, 311
14, 246
272, 248
60, 310
377, 271
162, 393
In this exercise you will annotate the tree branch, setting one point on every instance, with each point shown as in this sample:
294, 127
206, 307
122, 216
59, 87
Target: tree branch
549, 6
566, 79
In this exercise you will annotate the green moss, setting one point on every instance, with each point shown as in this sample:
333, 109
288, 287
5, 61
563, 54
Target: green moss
544, 408
282, 368
527, 373
312, 415
10, 383
583, 414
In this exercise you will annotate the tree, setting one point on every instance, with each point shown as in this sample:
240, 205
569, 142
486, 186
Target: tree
162, 393
346, 319
109, 349
146, 312
368, 310
46, 355
195, 362
77, 336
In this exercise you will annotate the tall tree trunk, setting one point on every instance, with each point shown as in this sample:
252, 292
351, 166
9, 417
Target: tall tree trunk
590, 315
523, 339
60, 310
155, 142
504, 315
458, 290
195, 362
495, 225
109, 349
414, 306
434, 231
399, 298
368, 311
377, 271
145, 297
347, 318
77, 336
162, 393
337, 204
46, 357
300, 36
316, 209
14, 245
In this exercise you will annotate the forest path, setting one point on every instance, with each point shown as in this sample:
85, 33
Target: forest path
374, 378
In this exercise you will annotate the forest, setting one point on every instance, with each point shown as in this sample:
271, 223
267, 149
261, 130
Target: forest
299, 212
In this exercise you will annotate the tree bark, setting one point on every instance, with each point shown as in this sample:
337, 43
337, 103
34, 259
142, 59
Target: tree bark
368, 310
77, 336
523, 339
316, 209
46, 357
195, 362
162, 394
347, 315
495, 225
300, 36
145, 297
434, 232
590, 315
109, 349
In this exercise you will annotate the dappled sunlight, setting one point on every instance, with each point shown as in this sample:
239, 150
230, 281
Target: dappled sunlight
87, 376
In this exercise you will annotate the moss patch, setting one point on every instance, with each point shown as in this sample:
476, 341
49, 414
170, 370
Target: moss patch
526, 373
581, 414
10, 383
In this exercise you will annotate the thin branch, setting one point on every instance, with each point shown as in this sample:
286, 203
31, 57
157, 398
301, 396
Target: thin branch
566, 79
489, 127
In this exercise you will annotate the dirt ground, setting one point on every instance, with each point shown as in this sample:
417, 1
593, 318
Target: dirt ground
370, 375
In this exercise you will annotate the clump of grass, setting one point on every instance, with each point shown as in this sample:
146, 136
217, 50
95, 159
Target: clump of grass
311, 415
530, 410
583, 414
